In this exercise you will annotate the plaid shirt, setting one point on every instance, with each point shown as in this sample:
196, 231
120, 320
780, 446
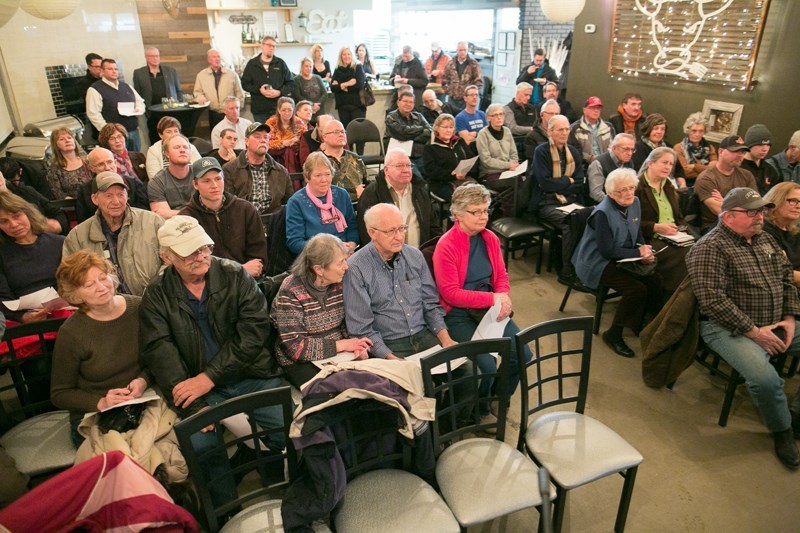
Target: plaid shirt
740, 285
260, 197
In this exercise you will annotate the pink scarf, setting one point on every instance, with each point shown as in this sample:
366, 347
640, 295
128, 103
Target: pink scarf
328, 211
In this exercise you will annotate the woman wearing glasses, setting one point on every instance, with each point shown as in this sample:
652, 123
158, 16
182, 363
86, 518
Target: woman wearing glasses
661, 215
782, 221
496, 148
613, 233
319, 208
471, 278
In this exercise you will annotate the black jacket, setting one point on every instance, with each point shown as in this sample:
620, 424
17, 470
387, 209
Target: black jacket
414, 70
439, 161
279, 77
172, 345
378, 193
350, 97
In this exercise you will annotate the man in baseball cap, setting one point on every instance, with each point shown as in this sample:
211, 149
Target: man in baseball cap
203, 336
125, 235
593, 134
743, 284
715, 182
255, 176
233, 224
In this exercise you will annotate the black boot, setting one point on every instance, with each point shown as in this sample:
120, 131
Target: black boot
796, 425
786, 449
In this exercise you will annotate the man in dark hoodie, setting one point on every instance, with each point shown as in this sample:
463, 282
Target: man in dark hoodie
232, 223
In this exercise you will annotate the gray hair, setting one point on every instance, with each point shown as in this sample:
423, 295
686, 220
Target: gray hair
550, 103
320, 250
392, 155
468, 195
315, 160
524, 86
228, 99
492, 107
374, 213
556, 118
407, 49
695, 118
619, 137
619, 175
657, 154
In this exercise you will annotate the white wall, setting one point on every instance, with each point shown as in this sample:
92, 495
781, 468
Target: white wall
107, 27
227, 36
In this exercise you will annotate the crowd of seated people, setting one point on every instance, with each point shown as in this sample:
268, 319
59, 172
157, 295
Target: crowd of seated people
167, 270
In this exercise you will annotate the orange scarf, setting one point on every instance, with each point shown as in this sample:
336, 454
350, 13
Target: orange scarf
629, 122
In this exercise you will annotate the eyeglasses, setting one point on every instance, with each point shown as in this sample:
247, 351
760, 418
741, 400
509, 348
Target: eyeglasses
752, 213
394, 231
401, 166
630, 188
631, 150
117, 137
480, 212
335, 132
497, 115
471, 94
197, 254
794, 202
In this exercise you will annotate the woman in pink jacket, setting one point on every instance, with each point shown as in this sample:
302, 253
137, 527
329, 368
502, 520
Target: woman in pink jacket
471, 278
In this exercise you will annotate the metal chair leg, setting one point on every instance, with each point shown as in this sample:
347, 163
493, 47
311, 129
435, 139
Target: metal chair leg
730, 392
625, 499
558, 509
564, 300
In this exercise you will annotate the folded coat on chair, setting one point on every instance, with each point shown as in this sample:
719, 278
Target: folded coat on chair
669, 342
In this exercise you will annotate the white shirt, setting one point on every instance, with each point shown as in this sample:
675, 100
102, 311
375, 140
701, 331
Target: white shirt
405, 203
94, 104
224, 124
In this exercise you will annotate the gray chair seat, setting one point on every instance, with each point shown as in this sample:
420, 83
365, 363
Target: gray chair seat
481, 479
41, 444
264, 517
415, 506
577, 449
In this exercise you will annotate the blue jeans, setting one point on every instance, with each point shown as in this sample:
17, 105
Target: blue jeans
462, 328
752, 362
134, 142
221, 486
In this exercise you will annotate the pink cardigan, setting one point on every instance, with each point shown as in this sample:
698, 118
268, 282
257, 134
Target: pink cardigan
450, 261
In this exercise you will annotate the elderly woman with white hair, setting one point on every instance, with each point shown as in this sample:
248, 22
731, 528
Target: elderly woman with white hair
613, 233
497, 151
695, 154
308, 311
471, 278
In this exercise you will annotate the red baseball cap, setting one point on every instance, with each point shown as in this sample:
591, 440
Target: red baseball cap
593, 101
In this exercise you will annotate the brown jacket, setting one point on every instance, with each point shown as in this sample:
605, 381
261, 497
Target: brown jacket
239, 182
669, 342
455, 85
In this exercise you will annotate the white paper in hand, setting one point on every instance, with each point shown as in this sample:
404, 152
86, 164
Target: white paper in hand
489, 327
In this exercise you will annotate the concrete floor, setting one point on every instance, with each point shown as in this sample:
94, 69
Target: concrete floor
696, 476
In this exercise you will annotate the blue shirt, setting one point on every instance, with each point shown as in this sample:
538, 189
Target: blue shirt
200, 312
471, 121
390, 303
304, 220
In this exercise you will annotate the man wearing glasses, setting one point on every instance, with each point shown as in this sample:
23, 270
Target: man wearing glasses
714, 183
471, 120
748, 304
203, 334
618, 156
389, 293
266, 77
351, 174
398, 184
538, 134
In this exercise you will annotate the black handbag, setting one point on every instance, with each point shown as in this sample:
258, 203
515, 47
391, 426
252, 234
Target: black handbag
121, 419
366, 96
637, 269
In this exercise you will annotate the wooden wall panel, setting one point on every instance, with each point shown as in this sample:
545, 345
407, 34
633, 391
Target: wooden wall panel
183, 41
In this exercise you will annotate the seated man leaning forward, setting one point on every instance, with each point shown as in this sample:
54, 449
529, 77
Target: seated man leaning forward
748, 305
203, 334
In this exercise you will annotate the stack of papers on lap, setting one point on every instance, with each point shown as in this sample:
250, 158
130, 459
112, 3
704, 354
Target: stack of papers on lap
679, 238
569, 208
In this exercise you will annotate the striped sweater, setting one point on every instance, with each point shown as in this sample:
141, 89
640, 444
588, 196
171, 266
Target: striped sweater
308, 326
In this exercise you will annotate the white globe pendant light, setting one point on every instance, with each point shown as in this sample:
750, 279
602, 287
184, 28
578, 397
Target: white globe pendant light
562, 11
49, 9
